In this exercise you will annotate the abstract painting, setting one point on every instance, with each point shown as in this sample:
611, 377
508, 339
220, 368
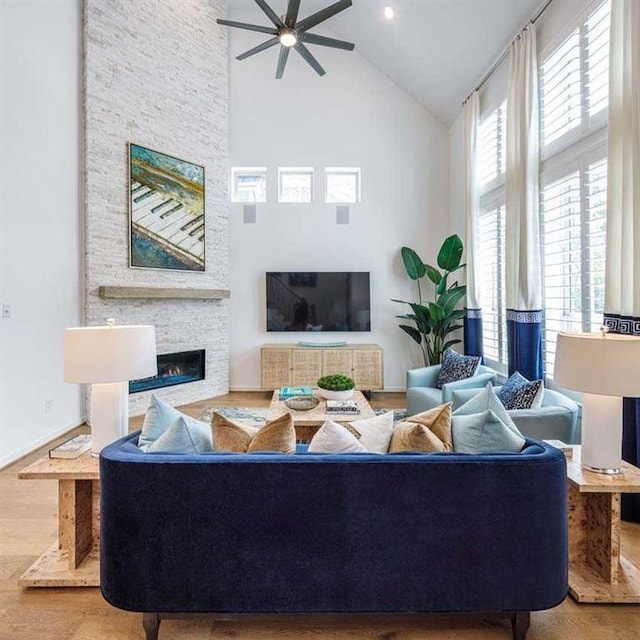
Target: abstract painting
166, 211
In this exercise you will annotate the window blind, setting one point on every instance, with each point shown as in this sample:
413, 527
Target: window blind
492, 291
491, 148
573, 217
574, 78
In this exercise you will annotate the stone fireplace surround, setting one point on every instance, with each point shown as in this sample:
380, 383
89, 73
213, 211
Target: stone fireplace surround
155, 73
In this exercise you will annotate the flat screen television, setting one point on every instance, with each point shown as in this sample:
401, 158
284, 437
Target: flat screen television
318, 301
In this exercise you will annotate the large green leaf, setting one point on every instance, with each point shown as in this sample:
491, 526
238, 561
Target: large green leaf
433, 274
450, 253
436, 312
449, 343
442, 285
457, 314
423, 318
413, 332
413, 265
449, 299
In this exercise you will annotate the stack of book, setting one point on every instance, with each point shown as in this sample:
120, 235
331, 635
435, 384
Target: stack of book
342, 406
294, 392
72, 448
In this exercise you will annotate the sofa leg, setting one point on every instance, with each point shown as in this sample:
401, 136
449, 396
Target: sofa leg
520, 622
151, 624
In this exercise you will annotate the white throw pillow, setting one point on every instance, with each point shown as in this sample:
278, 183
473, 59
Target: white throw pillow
159, 417
184, 437
375, 433
484, 433
487, 400
332, 437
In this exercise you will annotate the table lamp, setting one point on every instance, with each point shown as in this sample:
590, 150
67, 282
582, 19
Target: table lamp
606, 368
108, 357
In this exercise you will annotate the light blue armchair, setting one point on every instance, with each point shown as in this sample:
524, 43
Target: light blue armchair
556, 419
422, 393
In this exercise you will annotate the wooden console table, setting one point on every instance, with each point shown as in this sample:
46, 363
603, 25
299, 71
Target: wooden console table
598, 572
73, 561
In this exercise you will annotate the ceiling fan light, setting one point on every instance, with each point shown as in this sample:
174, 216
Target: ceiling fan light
288, 38
389, 13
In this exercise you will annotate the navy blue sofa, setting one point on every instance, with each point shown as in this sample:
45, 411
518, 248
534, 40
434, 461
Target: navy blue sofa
267, 532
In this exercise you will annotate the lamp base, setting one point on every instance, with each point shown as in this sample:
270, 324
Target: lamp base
602, 433
109, 414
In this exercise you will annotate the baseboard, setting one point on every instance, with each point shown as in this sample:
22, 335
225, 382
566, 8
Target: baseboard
14, 456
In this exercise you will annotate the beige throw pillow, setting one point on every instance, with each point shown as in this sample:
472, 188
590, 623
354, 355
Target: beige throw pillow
276, 435
427, 431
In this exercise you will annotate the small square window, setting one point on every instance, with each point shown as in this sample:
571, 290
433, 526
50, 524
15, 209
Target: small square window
295, 184
342, 185
249, 184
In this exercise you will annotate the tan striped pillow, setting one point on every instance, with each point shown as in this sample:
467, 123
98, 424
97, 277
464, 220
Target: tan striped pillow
276, 435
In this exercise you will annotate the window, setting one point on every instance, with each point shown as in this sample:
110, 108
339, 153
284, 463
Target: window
491, 282
249, 184
295, 184
491, 263
573, 218
492, 155
574, 97
341, 185
574, 85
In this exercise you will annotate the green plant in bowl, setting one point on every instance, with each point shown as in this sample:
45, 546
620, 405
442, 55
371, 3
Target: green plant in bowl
336, 387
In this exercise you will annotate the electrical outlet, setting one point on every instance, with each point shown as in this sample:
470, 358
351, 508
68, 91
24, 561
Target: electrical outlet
6, 310
48, 405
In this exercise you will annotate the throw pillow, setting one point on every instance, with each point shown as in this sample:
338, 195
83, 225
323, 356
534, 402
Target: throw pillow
487, 400
159, 417
374, 434
520, 393
276, 435
426, 431
484, 433
456, 367
332, 437
184, 437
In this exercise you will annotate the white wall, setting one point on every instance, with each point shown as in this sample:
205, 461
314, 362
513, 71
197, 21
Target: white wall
40, 218
353, 116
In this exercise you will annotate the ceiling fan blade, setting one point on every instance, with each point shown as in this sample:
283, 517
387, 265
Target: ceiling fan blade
248, 27
322, 15
311, 38
291, 17
308, 56
261, 47
270, 13
282, 61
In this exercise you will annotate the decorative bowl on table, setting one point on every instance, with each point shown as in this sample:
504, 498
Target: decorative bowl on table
302, 403
328, 394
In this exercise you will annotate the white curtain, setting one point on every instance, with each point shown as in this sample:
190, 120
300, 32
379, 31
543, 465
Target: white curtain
622, 297
522, 231
471, 123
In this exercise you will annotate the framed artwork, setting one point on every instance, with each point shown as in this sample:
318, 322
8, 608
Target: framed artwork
166, 211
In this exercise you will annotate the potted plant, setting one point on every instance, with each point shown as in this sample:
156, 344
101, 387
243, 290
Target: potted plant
336, 387
435, 320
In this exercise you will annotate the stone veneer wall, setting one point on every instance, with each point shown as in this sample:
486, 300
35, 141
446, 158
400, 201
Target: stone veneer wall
156, 74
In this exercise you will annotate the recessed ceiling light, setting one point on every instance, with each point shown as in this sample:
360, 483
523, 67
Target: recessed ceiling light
389, 13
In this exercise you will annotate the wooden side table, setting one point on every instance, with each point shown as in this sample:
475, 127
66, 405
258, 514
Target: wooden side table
73, 561
598, 572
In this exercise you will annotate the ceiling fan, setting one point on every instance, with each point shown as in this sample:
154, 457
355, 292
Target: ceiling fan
292, 33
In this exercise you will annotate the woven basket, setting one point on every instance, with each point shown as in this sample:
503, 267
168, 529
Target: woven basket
302, 403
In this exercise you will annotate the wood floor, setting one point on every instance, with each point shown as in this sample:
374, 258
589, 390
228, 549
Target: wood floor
28, 527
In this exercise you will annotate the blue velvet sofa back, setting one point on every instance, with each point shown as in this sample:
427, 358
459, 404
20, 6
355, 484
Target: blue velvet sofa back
269, 532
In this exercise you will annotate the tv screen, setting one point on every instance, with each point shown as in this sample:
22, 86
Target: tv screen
318, 301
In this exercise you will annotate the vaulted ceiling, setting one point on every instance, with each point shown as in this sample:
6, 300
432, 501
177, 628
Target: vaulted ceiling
436, 50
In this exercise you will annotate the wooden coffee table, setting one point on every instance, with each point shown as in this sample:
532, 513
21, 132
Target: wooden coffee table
307, 423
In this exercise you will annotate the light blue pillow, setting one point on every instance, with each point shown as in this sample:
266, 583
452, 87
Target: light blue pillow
483, 433
184, 437
487, 400
159, 417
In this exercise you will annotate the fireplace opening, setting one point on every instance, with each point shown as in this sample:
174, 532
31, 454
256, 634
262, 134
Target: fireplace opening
173, 369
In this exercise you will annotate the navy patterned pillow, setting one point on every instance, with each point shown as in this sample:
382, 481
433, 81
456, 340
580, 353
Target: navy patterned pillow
456, 367
519, 393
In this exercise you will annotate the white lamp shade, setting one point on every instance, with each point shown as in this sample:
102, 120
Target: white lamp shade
109, 353
606, 366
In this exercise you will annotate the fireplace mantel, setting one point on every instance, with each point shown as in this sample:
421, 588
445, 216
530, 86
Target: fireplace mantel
161, 293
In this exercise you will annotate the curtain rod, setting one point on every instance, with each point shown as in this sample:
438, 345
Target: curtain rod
505, 53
